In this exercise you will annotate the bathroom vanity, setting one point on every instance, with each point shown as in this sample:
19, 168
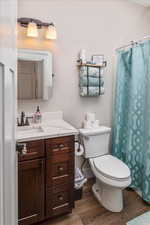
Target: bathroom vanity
46, 172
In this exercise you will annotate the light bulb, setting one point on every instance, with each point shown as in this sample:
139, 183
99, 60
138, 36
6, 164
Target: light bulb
51, 32
32, 30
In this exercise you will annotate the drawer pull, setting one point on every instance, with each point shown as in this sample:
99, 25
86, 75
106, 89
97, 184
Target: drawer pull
61, 206
60, 168
61, 146
28, 217
32, 153
60, 197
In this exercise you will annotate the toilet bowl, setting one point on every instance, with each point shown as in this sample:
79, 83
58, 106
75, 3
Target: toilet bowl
112, 176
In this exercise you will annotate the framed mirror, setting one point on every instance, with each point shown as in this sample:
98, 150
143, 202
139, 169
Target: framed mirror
34, 74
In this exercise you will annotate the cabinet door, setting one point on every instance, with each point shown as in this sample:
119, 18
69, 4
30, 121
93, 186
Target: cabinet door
31, 191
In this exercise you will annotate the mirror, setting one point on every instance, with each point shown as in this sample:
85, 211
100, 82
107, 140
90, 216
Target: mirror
34, 74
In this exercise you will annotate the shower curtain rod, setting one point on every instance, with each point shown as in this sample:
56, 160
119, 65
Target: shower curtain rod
132, 43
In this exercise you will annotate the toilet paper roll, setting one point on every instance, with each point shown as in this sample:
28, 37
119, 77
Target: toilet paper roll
90, 116
79, 150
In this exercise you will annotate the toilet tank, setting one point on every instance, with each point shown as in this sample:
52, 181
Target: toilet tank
96, 141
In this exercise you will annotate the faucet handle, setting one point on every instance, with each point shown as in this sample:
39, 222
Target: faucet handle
22, 118
22, 114
18, 123
27, 121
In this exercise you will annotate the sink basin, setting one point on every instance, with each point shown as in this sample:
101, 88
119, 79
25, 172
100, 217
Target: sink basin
29, 129
47, 129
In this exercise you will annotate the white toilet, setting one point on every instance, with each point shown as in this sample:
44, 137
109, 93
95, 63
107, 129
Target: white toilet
112, 175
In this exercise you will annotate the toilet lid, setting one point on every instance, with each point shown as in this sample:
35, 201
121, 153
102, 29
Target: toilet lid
112, 167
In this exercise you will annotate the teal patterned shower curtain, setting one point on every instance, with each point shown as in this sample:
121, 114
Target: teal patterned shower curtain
131, 129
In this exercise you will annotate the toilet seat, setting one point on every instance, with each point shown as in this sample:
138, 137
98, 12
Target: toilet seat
111, 167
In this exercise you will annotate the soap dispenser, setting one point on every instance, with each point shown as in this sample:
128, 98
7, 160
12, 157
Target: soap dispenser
38, 115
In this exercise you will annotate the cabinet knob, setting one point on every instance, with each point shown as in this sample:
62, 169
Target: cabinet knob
61, 146
60, 168
60, 197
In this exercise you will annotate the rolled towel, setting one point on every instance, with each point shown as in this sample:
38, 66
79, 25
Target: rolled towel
90, 91
92, 71
89, 81
83, 71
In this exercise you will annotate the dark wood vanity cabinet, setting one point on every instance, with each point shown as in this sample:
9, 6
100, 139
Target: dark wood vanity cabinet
46, 179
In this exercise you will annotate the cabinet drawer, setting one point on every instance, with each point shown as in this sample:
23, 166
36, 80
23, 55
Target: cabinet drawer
62, 209
60, 184
59, 145
59, 169
60, 198
35, 149
64, 157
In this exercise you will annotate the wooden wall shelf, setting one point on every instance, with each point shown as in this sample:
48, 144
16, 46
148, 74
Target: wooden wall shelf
91, 65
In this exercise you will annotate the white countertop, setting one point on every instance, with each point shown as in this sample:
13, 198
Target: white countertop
52, 126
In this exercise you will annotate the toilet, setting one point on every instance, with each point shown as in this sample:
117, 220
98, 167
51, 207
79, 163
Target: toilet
112, 175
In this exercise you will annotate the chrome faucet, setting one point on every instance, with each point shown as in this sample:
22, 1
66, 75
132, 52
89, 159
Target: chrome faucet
24, 120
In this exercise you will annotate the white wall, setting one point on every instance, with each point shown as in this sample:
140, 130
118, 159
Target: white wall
99, 26
142, 2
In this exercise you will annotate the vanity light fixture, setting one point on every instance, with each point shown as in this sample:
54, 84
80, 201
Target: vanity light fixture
33, 25
51, 32
32, 30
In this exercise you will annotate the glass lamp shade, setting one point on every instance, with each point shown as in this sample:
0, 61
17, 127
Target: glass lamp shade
51, 32
32, 30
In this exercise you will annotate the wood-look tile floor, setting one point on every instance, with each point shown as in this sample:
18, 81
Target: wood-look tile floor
88, 211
